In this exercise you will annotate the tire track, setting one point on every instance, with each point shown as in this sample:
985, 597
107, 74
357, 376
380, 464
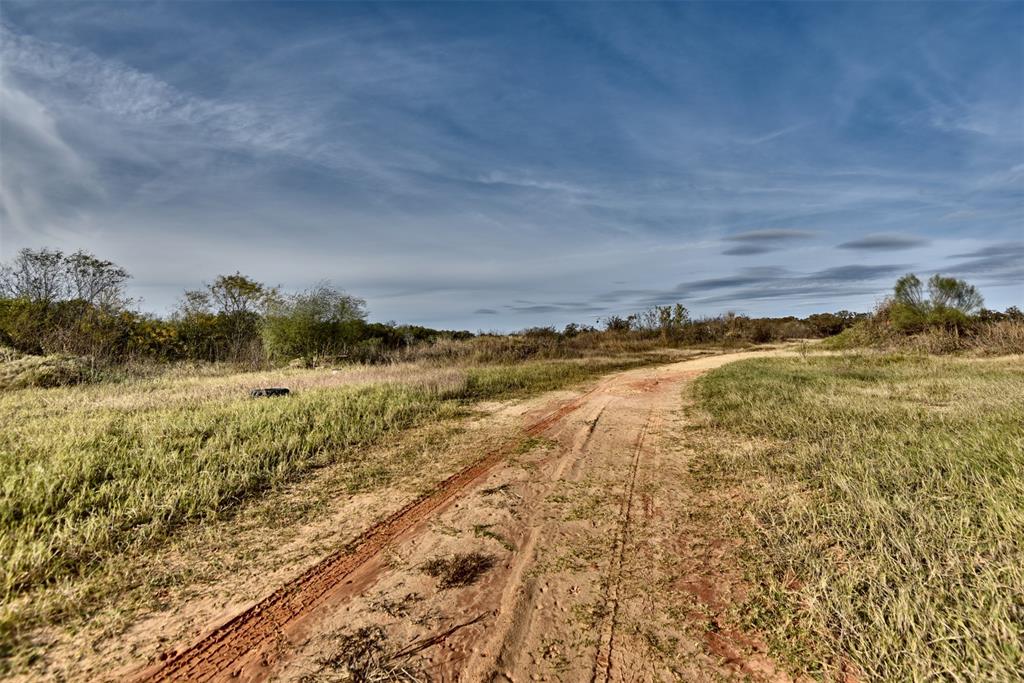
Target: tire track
263, 623
515, 610
603, 660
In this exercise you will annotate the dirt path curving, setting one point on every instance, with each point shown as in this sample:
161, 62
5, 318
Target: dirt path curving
576, 537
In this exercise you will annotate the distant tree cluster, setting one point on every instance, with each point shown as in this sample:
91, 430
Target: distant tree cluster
51, 302
674, 325
57, 303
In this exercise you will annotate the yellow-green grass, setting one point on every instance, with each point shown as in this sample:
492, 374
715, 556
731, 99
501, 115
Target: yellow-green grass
887, 501
92, 473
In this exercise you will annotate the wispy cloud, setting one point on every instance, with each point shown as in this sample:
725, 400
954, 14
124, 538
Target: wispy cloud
557, 308
81, 78
998, 263
754, 242
38, 164
774, 135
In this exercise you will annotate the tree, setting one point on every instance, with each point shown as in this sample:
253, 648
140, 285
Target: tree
59, 303
829, 324
951, 293
950, 303
616, 323
669, 321
39, 276
193, 302
909, 292
238, 294
95, 281
222, 320
322, 320
47, 276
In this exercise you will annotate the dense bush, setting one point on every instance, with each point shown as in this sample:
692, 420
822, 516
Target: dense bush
950, 304
320, 322
949, 320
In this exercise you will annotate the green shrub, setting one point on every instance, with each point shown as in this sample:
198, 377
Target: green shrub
950, 304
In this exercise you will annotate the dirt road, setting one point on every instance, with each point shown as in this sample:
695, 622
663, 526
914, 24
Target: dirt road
571, 557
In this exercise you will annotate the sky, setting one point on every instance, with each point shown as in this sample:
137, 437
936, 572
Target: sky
492, 166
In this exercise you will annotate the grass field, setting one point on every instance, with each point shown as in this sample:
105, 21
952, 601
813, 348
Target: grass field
885, 509
93, 473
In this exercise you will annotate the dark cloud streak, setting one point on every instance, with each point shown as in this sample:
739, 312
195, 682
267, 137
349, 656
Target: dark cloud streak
774, 235
884, 243
748, 250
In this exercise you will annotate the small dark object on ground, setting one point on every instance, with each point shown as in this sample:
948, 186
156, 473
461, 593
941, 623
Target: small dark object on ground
269, 391
458, 570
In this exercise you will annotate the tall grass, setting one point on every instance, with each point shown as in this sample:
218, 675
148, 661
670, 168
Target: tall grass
90, 473
895, 497
110, 480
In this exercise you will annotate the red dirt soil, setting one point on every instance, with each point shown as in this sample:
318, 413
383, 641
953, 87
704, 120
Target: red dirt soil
592, 581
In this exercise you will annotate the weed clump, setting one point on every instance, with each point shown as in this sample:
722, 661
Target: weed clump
23, 372
365, 655
458, 570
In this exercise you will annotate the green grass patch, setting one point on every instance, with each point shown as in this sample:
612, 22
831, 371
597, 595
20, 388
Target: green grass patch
892, 489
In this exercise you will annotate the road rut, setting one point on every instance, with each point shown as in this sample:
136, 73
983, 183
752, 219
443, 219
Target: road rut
578, 524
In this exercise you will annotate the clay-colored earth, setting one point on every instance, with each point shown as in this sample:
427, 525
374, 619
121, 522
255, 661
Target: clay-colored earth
589, 565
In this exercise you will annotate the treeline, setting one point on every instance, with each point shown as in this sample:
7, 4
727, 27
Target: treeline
75, 304
56, 303
674, 325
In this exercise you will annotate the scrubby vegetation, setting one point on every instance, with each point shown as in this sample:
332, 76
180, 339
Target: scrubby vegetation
53, 303
949, 319
458, 570
74, 306
23, 371
885, 509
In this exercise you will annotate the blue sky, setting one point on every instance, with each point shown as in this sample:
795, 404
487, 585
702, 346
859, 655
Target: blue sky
493, 166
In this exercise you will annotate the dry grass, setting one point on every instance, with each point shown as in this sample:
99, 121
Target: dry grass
541, 346
22, 372
365, 656
888, 510
458, 570
1001, 338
